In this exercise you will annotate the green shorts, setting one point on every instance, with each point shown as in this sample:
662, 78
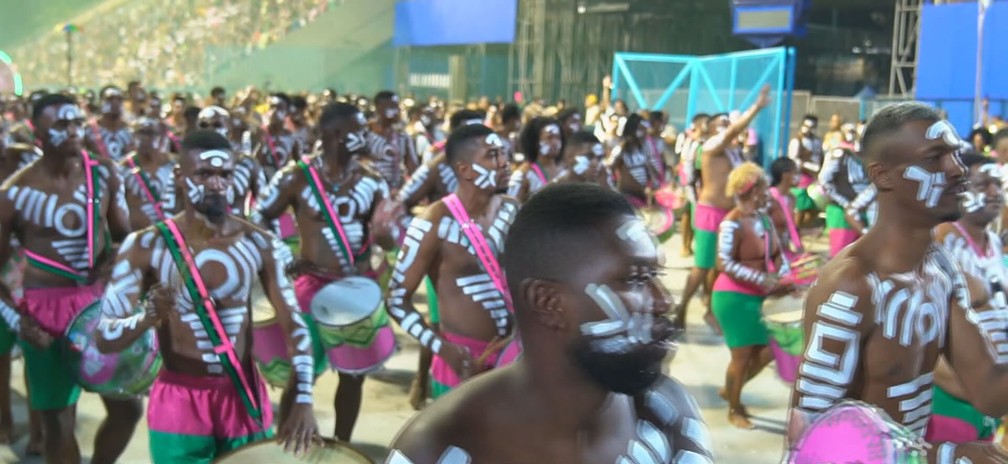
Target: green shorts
803, 202
836, 218
432, 301
944, 404
170, 448
740, 316
7, 339
704, 248
52, 384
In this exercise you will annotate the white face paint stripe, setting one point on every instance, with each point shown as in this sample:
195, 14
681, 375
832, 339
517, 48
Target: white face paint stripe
487, 178
945, 131
932, 184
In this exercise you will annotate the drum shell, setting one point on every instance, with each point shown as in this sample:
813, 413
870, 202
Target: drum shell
783, 319
125, 374
271, 452
366, 343
870, 436
269, 349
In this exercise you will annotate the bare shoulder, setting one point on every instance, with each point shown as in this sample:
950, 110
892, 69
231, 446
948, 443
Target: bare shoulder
943, 231
670, 422
368, 171
843, 290
263, 238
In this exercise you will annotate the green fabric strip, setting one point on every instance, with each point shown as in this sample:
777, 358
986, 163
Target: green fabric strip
57, 271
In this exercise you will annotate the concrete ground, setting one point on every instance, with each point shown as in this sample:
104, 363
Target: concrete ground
699, 364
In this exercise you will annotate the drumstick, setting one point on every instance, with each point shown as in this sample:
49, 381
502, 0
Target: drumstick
498, 343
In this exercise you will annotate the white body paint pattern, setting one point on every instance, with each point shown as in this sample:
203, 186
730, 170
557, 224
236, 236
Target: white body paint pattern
520, 178
989, 268
67, 218
284, 145
825, 376
636, 163
162, 184
478, 286
420, 176
117, 142
621, 329
388, 156
246, 176
487, 177
726, 249
666, 413
843, 189
349, 208
241, 262
932, 184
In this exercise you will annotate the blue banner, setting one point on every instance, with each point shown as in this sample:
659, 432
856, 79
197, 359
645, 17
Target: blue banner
420, 23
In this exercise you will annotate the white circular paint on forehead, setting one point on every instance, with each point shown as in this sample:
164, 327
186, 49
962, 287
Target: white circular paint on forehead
217, 158
212, 111
69, 112
991, 169
494, 140
552, 129
470, 122
275, 101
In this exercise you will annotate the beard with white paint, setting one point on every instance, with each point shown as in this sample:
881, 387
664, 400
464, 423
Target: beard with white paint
213, 206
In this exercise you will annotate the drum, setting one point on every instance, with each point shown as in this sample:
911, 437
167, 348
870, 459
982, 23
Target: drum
287, 225
818, 196
661, 222
805, 269
353, 324
783, 318
868, 436
271, 452
269, 349
118, 375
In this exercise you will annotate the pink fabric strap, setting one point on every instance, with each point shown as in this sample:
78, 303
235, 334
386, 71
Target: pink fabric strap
323, 198
535, 167
146, 188
225, 341
272, 147
972, 244
89, 180
479, 244
792, 228
49, 262
96, 132
659, 160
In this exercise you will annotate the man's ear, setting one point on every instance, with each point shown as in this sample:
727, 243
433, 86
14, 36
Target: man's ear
545, 302
464, 171
882, 176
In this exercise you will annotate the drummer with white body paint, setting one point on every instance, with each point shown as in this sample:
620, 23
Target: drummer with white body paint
542, 143
66, 209
197, 271
334, 197
147, 175
592, 313
249, 176
885, 309
457, 242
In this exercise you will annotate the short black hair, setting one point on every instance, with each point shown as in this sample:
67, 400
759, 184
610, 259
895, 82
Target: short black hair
529, 137
984, 134
283, 97
656, 116
700, 116
47, 100
583, 138
630, 127
205, 139
971, 158
554, 225
779, 167
889, 120
567, 113
811, 117
101, 93
509, 112
335, 112
191, 113
298, 102
998, 137
218, 90
456, 119
383, 95
455, 147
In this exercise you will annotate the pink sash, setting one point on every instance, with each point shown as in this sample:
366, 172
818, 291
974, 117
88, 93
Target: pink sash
96, 131
272, 148
146, 188
334, 223
792, 228
479, 244
535, 167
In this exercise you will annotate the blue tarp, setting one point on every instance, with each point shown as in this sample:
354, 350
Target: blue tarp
420, 23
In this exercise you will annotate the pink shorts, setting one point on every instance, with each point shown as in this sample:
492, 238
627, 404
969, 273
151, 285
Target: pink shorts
54, 308
443, 377
182, 404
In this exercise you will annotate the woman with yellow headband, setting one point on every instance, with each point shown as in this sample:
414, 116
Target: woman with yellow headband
749, 258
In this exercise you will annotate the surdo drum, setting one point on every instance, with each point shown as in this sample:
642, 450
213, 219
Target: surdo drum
783, 318
271, 452
269, 348
353, 325
853, 431
118, 375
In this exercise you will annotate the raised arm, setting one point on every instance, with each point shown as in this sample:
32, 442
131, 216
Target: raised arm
720, 142
838, 318
419, 186
119, 326
518, 185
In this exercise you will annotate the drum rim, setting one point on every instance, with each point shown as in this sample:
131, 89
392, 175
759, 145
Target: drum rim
327, 441
879, 418
378, 365
378, 307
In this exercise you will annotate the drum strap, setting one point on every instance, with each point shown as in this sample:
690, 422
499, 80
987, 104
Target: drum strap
792, 228
208, 316
145, 186
97, 136
479, 244
539, 172
93, 212
272, 148
976, 248
327, 210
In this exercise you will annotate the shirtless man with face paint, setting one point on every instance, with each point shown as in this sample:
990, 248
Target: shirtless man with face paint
435, 178
630, 161
249, 176
457, 242
542, 144
807, 152
14, 157
978, 251
302, 129
720, 154
843, 178
330, 251
392, 152
147, 175
197, 411
277, 146
584, 161
48, 207
888, 306
589, 386
110, 134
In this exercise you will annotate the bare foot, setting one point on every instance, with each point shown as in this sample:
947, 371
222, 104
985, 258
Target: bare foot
712, 322
34, 447
417, 395
737, 417
685, 252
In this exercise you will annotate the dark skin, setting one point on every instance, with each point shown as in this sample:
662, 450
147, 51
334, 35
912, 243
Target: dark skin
222, 122
385, 125
182, 354
444, 262
341, 169
883, 362
111, 120
149, 158
596, 173
777, 213
275, 129
550, 163
626, 182
545, 401
60, 171
433, 187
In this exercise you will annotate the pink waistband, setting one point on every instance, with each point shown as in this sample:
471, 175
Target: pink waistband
805, 180
724, 283
707, 217
54, 308
206, 382
476, 347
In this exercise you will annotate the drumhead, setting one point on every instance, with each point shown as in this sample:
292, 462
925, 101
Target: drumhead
273, 453
785, 317
777, 308
346, 301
